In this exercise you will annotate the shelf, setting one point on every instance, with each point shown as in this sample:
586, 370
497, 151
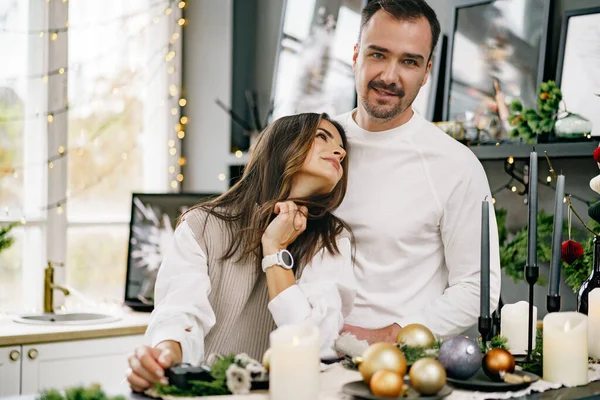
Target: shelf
521, 151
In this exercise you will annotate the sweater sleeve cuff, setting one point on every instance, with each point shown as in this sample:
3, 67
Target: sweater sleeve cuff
177, 335
290, 306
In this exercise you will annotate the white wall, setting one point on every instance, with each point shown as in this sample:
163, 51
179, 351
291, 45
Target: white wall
206, 76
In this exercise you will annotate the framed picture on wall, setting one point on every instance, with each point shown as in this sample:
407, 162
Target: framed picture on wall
313, 70
578, 68
153, 220
495, 46
428, 101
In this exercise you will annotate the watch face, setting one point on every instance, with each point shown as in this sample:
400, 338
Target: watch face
286, 258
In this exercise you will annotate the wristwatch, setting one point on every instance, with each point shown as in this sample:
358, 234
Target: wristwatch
282, 257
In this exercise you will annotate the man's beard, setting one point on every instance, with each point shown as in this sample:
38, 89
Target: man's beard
385, 112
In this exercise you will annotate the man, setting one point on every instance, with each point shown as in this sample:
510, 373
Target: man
414, 196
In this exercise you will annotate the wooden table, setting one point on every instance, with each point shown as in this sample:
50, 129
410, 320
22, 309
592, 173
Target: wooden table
333, 379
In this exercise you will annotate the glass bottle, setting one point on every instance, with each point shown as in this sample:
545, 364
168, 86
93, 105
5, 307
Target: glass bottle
590, 283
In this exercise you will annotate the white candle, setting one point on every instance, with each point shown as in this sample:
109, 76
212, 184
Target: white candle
566, 348
594, 323
295, 362
513, 326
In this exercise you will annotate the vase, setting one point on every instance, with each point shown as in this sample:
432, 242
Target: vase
572, 126
590, 283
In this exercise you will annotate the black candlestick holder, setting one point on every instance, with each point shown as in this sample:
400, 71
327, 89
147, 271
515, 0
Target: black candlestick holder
485, 328
532, 274
553, 303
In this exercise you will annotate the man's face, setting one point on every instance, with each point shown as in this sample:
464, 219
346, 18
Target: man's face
391, 64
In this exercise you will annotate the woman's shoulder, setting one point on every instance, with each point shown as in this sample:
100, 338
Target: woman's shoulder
201, 218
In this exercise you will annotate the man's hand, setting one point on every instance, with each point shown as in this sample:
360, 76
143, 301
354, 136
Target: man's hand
387, 334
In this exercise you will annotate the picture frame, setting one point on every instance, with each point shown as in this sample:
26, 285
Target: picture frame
153, 219
501, 51
579, 80
428, 102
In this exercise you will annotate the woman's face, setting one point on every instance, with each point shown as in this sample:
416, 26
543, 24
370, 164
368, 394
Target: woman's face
322, 168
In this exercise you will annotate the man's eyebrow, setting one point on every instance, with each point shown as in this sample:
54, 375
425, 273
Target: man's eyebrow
415, 56
378, 48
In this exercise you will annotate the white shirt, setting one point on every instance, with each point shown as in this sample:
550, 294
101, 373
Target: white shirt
414, 205
324, 295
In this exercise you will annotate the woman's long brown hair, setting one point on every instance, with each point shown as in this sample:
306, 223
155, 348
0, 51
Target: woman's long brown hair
248, 205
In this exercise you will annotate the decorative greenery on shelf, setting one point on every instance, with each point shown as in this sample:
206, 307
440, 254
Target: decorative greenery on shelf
530, 123
93, 392
513, 253
5, 239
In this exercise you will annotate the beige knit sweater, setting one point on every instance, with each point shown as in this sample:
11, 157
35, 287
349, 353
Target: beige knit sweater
238, 295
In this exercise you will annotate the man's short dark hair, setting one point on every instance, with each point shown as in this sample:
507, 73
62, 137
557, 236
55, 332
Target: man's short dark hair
410, 10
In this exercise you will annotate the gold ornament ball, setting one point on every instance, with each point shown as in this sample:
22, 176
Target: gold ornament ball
266, 361
382, 356
496, 361
427, 376
386, 383
416, 335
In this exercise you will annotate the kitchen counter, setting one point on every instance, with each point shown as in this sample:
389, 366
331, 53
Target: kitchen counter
14, 333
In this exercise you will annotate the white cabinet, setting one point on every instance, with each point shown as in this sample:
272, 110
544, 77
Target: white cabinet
10, 371
82, 362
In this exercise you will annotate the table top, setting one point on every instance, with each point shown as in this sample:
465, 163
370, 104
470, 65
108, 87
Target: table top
334, 378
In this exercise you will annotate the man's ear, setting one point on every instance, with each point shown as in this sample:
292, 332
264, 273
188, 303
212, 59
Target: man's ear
426, 77
355, 56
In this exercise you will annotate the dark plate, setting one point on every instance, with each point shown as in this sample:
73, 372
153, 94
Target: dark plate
481, 382
361, 390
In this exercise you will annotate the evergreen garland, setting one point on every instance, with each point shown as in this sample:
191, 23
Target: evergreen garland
5, 240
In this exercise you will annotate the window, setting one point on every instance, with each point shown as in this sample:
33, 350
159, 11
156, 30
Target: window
90, 108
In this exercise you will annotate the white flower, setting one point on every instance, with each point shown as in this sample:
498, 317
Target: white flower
243, 359
257, 370
238, 379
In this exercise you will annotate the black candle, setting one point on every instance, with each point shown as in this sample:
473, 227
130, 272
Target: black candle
532, 203
555, 261
485, 260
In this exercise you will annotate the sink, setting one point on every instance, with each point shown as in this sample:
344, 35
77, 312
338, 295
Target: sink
65, 319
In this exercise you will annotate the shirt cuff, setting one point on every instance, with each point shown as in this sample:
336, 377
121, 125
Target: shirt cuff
176, 334
290, 306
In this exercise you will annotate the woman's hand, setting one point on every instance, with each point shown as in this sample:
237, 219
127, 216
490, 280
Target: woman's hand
147, 364
285, 228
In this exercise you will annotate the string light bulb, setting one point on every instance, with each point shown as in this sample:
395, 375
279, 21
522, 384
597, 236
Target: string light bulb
61, 70
549, 179
171, 143
511, 160
183, 120
182, 102
59, 209
181, 21
180, 177
54, 36
50, 164
172, 151
42, 34
514, 188
45, 78
170, 55
173, 90
182, 161
171, 169
171, 70
239, 154
493, 200
61, 149
50, 118
174, 184
23, 221
168, 11
173, 111
181, 134
175, 36
181, 4
222, 177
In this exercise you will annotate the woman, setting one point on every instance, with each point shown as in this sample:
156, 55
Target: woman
266, 253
